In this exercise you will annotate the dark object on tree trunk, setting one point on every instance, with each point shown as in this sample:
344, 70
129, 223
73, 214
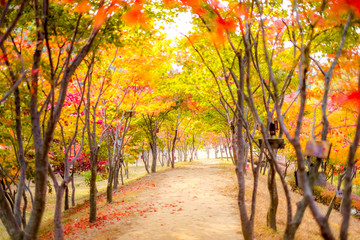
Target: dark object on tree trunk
275, 143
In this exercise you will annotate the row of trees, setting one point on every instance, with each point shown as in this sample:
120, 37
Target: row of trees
89, 91
295, 61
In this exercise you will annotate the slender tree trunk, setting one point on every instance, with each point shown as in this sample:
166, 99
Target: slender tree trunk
180, 156
153, 147
346, 201
265, 167
240, 164
126, 167
173, 147
192, 148
221, 151
185, 155
226, 152
121, 174
93, 190
20, 158
274, 200
66, 202
24, 209
58, 227
8, 218
116, 175
73, 191
109, 187
146, 161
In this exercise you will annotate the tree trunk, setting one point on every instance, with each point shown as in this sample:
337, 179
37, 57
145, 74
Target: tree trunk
265, 167
20, 158
8, 219
180, 156
116, 176
274, 201
58, 227
146, 161
173, 149
221, 151
24, 209
153, 147
126, 167
192, 148
66, 202
93, 190
109, 187
121, 174
240, 164
226, 152
73, 191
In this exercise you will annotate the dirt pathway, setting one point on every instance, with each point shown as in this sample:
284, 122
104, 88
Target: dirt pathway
187, 203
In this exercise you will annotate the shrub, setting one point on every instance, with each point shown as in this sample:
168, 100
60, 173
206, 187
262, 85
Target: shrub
317, 191
326, 196
356, 205
292, 184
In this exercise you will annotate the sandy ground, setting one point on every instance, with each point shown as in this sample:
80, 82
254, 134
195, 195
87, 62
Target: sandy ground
187, 203
196, 201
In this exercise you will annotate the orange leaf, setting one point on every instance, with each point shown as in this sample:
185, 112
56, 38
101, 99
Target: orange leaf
354, 98
169, 3
100, 17
354, 4
225, 25
344, 5
134, 16
84, 6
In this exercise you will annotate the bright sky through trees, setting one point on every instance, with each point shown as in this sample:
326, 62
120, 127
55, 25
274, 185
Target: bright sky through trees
182, 25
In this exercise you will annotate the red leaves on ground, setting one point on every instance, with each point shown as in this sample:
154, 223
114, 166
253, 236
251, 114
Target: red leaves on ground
107, 213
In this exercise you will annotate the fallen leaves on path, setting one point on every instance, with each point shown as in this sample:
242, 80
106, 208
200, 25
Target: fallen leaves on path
106, 213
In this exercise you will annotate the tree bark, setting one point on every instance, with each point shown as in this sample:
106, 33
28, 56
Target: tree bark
173, 147
240, 164
73, 191
153, 147
93, 189
274, 200
109, 187
66, 202
58, 227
